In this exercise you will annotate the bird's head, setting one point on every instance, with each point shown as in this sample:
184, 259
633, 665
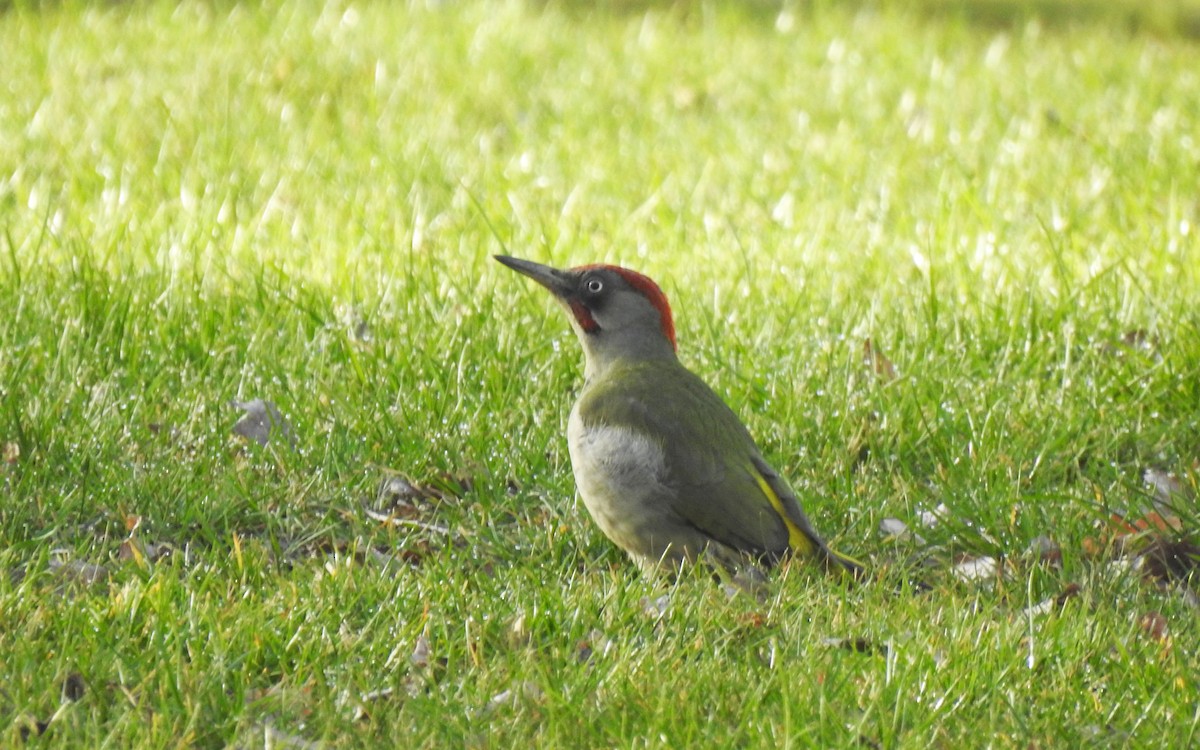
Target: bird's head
616, 313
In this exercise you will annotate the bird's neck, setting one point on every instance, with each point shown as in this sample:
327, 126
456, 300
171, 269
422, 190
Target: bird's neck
600, 361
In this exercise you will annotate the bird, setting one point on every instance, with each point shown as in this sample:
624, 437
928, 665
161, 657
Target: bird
664, 467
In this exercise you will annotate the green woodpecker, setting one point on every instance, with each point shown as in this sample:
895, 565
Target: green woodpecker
664, 466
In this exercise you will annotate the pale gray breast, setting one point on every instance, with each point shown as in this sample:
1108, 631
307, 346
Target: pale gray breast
620, 473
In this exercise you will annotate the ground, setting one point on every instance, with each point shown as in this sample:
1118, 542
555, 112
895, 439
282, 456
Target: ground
941, 257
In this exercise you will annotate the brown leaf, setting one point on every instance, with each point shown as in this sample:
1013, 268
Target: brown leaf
143, 552
1169, 559
1094, 547
31, 727
404, 497
1070, 592
10, 453
399, 492
858, 645
74, 687
415, 555
753, 620
596, 643
878, 362
1152, 521
584, 651
1138, 339
1154, 625
131, 549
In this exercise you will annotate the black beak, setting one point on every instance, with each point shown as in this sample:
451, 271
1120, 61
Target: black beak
560, 283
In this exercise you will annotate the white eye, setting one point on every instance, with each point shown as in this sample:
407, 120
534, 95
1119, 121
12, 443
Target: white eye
595, 286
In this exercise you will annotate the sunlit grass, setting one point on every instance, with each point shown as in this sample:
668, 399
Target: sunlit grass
201, 203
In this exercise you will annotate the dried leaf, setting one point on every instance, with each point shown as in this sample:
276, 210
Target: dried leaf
895, 530
415, 555
584, 651
10, 453
1138, 339
1070, 592
390, 520
31, 727
976, 569
518, 632
858, 645
1151, 521
419, 657
131, 549
753, 620
1169, 559
74, 687
1093, 547
509, 698
1045, 550
399, 492
879, 364
262, 422
1053, 603
143, 552
597, 643
1166, 484
1154, 625
1171, 493
931, 518
401, 497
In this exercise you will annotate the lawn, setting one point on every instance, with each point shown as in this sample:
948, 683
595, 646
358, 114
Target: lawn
207, 204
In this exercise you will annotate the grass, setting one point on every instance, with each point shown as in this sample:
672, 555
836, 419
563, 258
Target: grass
297, 202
